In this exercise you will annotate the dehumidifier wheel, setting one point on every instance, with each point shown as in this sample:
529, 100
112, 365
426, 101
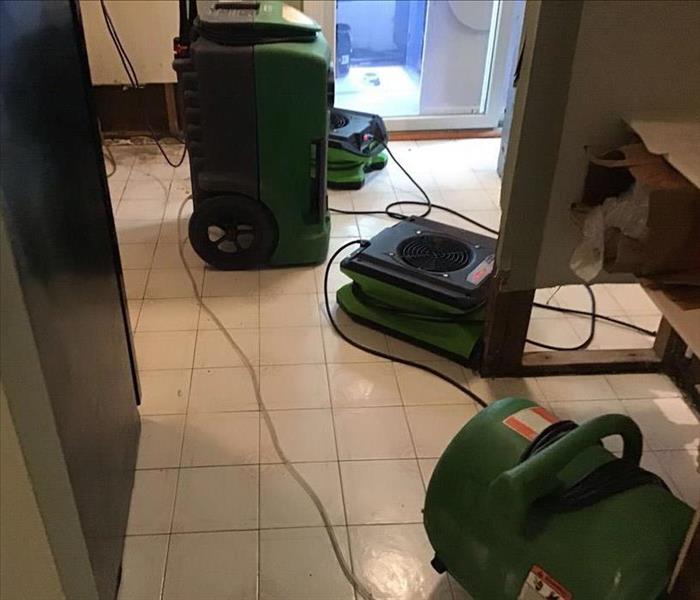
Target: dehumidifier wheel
233, 232
438, 565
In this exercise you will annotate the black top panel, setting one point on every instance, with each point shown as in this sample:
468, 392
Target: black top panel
462, 287
238, 22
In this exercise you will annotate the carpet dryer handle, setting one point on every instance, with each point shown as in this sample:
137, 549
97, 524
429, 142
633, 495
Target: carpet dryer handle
513, 492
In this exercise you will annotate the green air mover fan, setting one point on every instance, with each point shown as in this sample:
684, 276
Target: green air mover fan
422, 282
522, 505
355, 147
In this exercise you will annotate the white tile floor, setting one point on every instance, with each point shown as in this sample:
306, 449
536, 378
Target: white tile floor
214, 515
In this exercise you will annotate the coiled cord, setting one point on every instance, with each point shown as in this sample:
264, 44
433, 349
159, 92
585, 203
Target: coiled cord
613, 477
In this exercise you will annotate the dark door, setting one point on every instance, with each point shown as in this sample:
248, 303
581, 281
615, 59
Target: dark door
56, 208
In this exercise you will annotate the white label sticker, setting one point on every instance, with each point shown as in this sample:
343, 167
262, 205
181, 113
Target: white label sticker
539, 585
530, 422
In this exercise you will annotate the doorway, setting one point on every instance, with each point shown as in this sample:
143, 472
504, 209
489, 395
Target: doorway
422, 64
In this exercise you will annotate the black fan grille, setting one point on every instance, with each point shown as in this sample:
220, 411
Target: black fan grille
434, 253
338, 120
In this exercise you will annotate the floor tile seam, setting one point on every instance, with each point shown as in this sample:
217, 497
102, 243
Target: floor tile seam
177, 479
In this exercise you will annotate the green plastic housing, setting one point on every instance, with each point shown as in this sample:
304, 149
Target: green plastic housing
456, 341
348, 171
255, 85
293, 76
485, 525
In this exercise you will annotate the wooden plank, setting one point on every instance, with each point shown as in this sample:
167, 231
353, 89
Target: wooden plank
677, 364
507, 321
588, 362
664, 342
171, 108
443, 134
685, 322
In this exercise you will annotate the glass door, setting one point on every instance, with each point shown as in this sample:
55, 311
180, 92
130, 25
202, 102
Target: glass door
421, 64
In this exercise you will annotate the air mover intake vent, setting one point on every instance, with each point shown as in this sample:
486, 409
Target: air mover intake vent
338, 120
434, 253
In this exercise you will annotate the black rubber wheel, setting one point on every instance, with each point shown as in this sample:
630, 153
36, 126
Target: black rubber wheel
438, 565
233, 232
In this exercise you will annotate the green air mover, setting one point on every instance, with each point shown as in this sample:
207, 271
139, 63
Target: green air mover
355, 147
522, 506
423, 282
256, 84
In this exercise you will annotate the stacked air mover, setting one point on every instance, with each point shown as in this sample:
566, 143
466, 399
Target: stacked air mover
423, 282
356, 145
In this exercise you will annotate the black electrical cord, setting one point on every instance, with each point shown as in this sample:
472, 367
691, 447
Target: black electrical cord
110, 160
610, 478
134, 84
465, 317
480, 401
428, 204
591, 333
547, 437
583, 313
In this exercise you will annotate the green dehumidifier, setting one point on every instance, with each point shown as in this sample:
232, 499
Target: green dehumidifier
524, 506
256, 85
356, 145
422, 282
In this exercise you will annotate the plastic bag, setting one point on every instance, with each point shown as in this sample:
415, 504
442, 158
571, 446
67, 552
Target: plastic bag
628, 213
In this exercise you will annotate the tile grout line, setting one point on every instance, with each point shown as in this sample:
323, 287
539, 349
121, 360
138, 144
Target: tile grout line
337, 454
408, 426
307, 462
121, 193
177, 480
280, 528
162, 218
316, 408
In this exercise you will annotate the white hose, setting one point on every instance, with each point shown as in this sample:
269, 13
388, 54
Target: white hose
357, 585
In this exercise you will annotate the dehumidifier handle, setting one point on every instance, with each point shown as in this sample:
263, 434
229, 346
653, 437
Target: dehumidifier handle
516, 489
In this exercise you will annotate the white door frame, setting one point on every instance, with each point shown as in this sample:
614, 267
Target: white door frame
323, 12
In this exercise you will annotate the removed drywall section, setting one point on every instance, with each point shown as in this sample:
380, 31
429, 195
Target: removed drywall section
631, 57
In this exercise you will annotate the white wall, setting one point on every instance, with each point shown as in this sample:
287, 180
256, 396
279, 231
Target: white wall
27, 568
630, 57
454, 56
146, 29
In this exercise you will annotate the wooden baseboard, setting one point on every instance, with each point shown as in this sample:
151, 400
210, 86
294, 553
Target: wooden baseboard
444, 134
120, 110
589, 362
